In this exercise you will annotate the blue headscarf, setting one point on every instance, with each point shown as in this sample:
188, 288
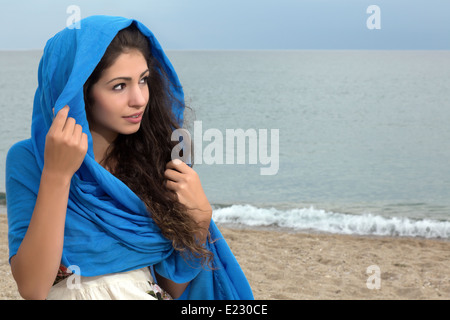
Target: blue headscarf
108, 228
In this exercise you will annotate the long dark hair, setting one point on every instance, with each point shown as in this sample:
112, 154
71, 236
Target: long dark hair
139, 159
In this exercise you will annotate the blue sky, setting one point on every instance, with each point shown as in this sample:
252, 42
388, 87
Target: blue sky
244, 24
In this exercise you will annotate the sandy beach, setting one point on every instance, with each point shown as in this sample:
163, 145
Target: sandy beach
320, 266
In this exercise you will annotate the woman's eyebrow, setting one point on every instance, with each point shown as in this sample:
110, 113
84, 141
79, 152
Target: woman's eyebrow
126, 78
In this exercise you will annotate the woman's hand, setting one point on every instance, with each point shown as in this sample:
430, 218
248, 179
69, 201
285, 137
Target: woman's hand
185, 182
65, 146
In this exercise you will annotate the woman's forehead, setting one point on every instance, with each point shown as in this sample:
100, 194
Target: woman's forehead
128, 64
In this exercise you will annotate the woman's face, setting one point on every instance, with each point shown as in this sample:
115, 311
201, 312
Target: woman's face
120, 96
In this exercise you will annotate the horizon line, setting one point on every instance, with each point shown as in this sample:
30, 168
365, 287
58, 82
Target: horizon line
299, 49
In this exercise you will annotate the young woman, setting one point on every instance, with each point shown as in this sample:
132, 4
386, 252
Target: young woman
95, 189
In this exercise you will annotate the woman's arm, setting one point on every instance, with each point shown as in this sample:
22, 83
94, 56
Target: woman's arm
37, 260
174, 289
36, 263
185, 182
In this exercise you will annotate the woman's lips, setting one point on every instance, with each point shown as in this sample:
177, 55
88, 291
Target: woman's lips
134, 118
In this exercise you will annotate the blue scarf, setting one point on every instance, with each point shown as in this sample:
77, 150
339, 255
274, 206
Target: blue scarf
108, 228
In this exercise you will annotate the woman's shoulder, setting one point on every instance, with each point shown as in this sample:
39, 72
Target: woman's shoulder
21, 148
21, 157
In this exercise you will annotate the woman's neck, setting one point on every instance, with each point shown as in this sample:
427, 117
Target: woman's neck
101, 141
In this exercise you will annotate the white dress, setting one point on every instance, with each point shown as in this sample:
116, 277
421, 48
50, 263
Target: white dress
132, 285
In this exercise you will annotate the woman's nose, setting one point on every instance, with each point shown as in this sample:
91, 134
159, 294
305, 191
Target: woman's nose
138, 96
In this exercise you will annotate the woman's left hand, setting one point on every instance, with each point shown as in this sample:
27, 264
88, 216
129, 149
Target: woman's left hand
185, 182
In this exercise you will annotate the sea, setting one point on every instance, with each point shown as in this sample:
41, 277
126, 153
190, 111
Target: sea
334, 141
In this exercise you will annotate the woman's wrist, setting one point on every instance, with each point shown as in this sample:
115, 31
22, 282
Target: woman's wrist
203, 221
56, 178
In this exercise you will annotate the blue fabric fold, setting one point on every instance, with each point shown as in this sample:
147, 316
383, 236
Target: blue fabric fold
108, 228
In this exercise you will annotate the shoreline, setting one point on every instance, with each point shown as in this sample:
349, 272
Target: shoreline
283, 230
324, 222
305, 266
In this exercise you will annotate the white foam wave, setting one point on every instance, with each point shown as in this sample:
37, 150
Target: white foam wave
332, 222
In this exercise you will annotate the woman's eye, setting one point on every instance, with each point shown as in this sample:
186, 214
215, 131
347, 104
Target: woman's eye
144, 80
119, 86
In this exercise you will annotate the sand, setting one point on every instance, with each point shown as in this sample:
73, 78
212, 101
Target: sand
300, 266
322, 266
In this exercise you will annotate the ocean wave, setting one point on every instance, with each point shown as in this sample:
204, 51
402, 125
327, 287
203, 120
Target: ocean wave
331, 222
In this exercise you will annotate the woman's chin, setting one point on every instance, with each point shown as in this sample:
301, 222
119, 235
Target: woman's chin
130, 130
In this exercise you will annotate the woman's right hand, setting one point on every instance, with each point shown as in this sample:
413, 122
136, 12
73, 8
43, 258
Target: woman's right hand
66, 146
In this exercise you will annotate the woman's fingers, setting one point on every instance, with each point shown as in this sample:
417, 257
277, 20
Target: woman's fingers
185, 183
69, 126
66, 145
171, 185
77, 133
84, 141
60, 119
173, 175
178, 165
